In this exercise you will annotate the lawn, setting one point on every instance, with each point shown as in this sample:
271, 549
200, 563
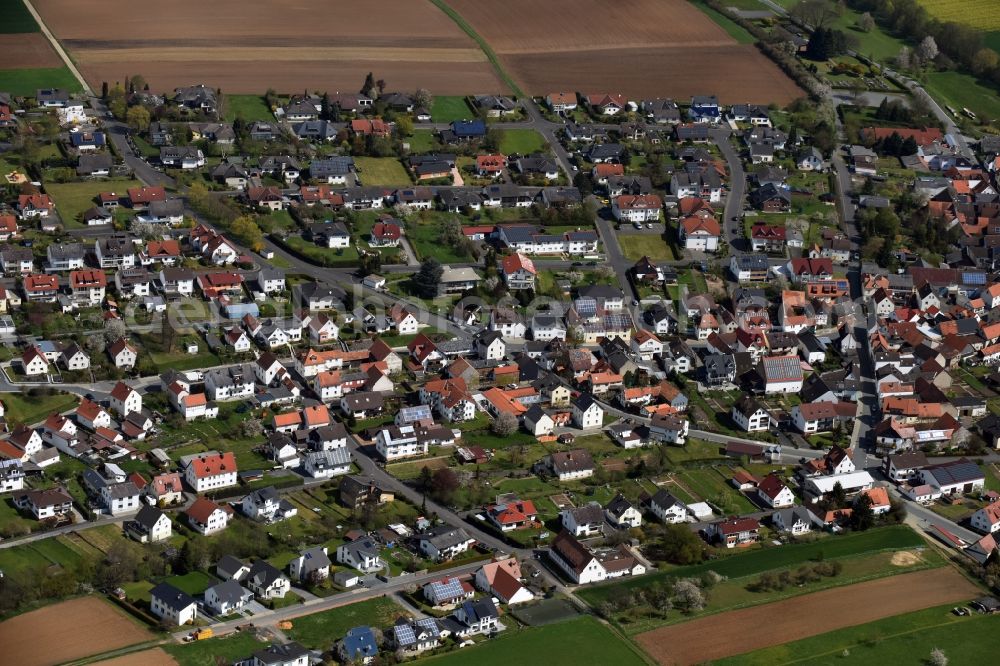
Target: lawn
226, 650
712, 487
179, 359
41, 553
22, 408
324, 256
422, 141
560, 643
320, 630
383, 171
194, 583
73, 199
766, 559
521, 142
248, 107
635, 246
425, 237
732, 28
876, 44
26, 82
903, 639
15, 17
446, 109
965, 91
279, 219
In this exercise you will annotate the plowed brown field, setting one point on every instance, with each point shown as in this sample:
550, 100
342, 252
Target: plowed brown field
638, 48
26, 50
68, 631
737, 632
288, 45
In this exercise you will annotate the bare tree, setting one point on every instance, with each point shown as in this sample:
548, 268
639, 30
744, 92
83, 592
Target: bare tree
938, 657
866, 23
688, 596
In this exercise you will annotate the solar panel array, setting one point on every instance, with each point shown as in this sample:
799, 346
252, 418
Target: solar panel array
448, 589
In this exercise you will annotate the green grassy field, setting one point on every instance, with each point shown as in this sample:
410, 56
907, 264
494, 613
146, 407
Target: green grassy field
194, 583
248, 107
15, 17
73, 199
446, 109
992, 40
214, 651
42, 553
323, 256
583, 640
23, 408
25, 82
425, 239
876, 43
521, 142
903, 639
963, 90
635, 246
384, 171
422, 141
320, 630
712, 487
757, 561
732, 28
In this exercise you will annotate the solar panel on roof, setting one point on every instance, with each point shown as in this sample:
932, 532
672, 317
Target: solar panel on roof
586, 307
450, 589
404, 634
974, 278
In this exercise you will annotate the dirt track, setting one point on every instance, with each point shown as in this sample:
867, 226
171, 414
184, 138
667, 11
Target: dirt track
737, 632
26, 50
67, 631
154, 657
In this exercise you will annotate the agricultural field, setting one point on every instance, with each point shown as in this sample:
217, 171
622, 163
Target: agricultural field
154, 657
29, 61
577, 46
69, 631
408, 44
15, 18
780, 622
903, 639
26, 82
560, 644
967, 12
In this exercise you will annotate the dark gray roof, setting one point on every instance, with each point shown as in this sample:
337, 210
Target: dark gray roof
171, 597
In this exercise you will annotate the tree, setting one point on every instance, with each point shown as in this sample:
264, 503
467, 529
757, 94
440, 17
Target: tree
904, 59
426, 280
816, 13
837, 496
825, 43
137, 118
504, 425
863, 518
114, 329
681, 546
985, 62
137, 82
369, 87
928, 49
404, 126
688, 596
245, 230
866, 23
95, 344
252, 428
444, 483
938, 657
104, 89
423, 99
